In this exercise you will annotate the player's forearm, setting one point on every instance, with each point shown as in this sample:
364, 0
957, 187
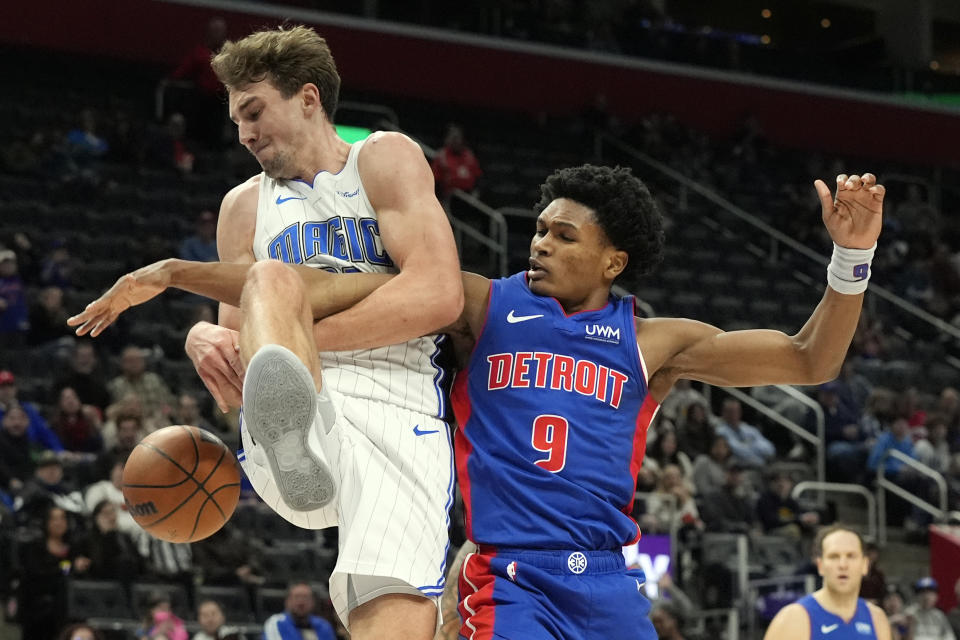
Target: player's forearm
330, 293
221, 281
404, 308
824, 339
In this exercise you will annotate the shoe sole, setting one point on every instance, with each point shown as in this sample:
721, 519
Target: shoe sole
279, 408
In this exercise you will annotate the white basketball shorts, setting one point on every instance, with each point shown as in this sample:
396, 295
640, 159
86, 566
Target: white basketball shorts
395, 473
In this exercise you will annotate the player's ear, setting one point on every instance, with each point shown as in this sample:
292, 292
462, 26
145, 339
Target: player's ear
310, 98
616, 262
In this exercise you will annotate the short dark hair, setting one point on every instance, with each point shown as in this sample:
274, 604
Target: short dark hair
826, 531
623, 207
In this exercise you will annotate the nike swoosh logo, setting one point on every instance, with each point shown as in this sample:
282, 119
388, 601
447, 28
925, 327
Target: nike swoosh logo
417, 431
512, 319
824, 628
281, 200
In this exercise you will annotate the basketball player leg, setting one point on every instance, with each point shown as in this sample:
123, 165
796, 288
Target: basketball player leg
282, 381
394, 616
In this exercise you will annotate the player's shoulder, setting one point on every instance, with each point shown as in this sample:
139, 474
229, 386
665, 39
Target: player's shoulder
383, 148
877, 613
791, 623
242, 196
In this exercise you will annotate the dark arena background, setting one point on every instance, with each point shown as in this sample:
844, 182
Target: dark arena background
115, 151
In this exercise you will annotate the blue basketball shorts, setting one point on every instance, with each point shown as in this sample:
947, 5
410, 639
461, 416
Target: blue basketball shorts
552, 595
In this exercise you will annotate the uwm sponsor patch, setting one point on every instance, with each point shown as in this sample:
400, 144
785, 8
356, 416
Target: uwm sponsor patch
603, 333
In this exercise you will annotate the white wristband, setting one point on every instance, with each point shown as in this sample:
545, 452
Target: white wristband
849, 269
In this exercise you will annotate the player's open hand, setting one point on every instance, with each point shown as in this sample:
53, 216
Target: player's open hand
130, 290
854, 216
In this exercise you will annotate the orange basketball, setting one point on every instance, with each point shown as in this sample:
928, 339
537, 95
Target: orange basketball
181, 483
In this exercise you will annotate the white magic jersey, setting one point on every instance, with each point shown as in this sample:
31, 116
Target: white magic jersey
331, 225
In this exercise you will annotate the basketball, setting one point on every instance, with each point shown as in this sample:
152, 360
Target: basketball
181, 483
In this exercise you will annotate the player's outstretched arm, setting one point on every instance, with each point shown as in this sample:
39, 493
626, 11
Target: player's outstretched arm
689, 349
790, 623
327, 292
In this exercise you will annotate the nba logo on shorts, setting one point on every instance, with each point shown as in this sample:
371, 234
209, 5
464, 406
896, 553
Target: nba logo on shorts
512, 570
577, 562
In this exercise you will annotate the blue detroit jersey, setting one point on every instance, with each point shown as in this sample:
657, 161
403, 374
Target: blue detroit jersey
553, 412
829, 626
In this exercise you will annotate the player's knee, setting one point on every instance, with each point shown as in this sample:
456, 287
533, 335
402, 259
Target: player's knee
273, 279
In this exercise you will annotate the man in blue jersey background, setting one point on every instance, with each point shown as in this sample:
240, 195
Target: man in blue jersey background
834, 612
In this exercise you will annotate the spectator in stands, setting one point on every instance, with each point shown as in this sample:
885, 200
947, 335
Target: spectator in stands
201, 246
213, 624
897, 437
934, 450
908, 405
84, 141
664, 451
847, 445
56, 269
873, 587
128, 405
160, 623
695, 429
671, 505
681, 396
14, 315
39, 432
726, 509
128, 433
48, 318
948, 405
780, 514
667, 621
113, 554
85, 376
153, 391
297, 621
45, 564
47, 487
878, 413
932, 624
16, 451
166, 561
953, 616
455, 166
902, 624
228, 558
77, 425
206, 101
80, 631
188, 412
109, 490
748, 445
709, 470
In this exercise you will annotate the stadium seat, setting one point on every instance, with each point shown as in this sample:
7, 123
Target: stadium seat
105, 599
235, 601
144, 591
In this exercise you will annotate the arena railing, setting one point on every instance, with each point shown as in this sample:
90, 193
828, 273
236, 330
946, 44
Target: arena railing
883, 485
842, 487
495, 240
777, 238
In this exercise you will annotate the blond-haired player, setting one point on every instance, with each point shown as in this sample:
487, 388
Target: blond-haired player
379, 469
834, 612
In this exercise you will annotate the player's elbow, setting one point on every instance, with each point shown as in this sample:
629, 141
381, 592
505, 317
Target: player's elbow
817, 367
446, 302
